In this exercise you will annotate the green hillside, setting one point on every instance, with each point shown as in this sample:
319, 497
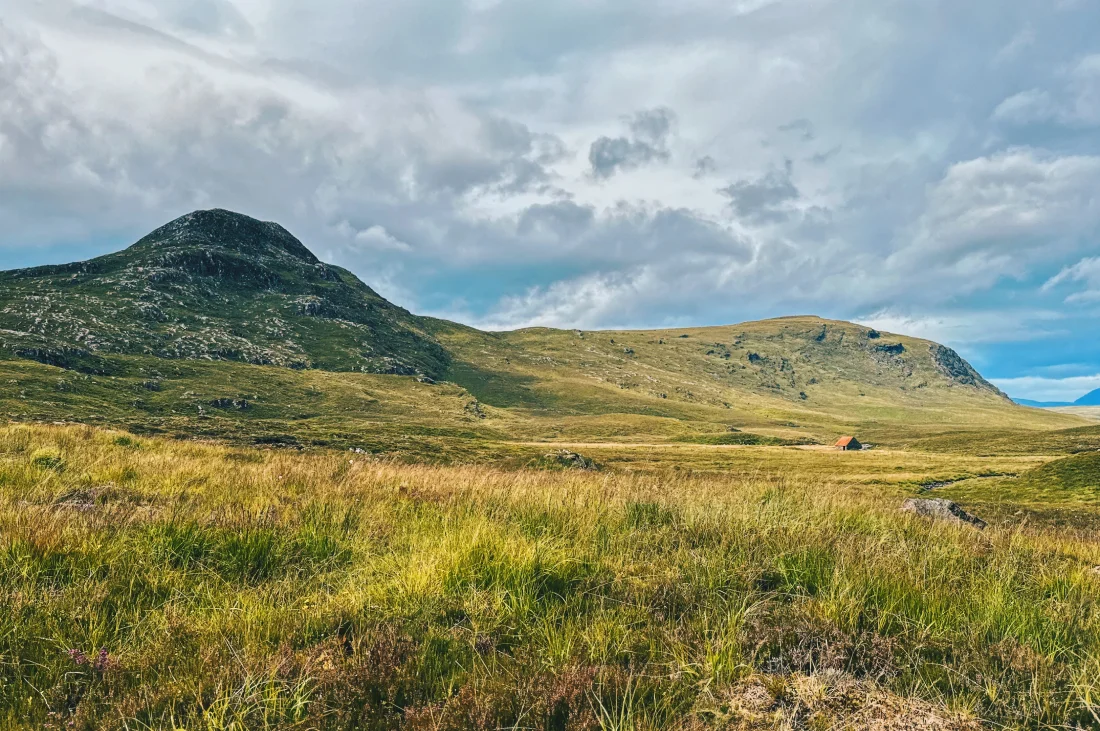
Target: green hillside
788, 377
221, 325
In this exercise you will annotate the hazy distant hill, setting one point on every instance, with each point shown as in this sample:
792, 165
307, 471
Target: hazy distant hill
1042, 404
1089, 399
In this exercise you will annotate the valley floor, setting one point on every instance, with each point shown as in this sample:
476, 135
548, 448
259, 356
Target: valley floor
158, 584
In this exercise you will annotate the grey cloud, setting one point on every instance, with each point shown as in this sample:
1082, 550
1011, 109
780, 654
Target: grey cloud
650, 130
563, 220
820, 158
764, 199
704, 166
610, 155
255, 150
653, 125
801, 127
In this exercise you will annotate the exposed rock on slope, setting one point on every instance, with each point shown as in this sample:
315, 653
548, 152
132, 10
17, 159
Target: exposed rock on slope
954, 367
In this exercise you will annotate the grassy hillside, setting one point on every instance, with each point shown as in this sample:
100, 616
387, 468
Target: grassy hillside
220, 325
153, 584
798, 378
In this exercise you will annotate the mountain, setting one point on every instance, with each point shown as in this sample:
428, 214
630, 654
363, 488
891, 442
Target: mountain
218, 324
1041, 404
211, 285
1089, 399
800, 359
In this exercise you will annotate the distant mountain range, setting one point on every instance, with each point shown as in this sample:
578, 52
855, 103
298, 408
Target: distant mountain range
1089, 399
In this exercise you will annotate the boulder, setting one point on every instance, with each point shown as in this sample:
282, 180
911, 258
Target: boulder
940, 509
572, 460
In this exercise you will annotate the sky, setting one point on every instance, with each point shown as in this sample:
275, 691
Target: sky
927, 167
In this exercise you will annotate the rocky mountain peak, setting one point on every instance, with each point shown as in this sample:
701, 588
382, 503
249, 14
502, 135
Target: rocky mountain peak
226, 231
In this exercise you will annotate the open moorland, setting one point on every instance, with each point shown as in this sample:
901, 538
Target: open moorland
240, 490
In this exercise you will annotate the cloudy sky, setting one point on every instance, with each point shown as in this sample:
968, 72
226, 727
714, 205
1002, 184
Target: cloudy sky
929, 167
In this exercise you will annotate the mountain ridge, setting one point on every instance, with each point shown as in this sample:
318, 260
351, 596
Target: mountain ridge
219, 287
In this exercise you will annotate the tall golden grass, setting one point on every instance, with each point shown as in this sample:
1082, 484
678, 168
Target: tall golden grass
153, 584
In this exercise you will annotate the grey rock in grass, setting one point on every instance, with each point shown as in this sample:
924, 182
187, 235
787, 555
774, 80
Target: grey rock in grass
941, 509
572, 460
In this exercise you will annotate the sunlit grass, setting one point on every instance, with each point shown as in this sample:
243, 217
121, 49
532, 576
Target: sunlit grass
237, 589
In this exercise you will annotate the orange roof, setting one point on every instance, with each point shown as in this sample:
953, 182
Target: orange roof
844, 441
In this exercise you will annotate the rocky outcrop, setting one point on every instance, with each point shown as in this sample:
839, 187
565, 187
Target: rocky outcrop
941, 509
952, 365
571, 460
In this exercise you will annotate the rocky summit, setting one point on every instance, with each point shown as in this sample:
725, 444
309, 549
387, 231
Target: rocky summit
211, 285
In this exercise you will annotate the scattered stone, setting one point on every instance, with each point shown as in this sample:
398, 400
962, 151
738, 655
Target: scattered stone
941, 509
311, 306
572, 460
474, 408
239, 404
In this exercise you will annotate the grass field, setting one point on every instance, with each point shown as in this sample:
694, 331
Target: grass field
158, 584
240, 490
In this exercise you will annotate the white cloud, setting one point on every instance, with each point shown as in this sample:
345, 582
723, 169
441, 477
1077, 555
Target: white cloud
1086, 272
1035, 388
1007, 200
1074, 102
969, 329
